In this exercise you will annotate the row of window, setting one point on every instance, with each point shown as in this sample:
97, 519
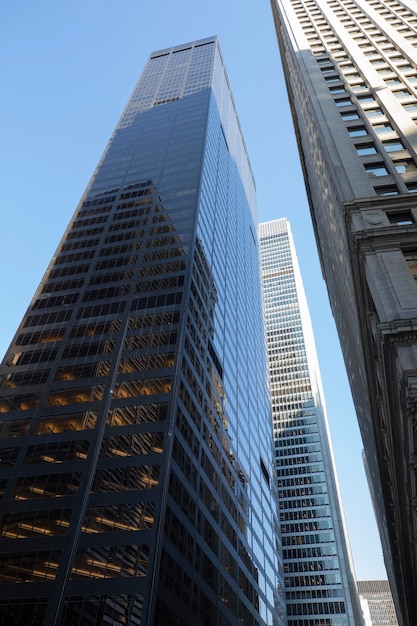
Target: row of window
314, 19
315, 608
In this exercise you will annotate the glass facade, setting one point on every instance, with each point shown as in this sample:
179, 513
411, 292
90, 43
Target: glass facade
136, 446
319, 580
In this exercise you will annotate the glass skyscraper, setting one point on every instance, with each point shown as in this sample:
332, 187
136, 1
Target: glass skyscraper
319, 581
137, 476
351, 73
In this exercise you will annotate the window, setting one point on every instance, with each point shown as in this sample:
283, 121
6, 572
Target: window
411, 108
347, 117
405, 166
393, 146
382, 128
386, 190
351, 77
397, 58
358, 131
363, 99
402, 93
360, 87
376, 112
401, 218
345, 102
365, 149
317, 49
375, 169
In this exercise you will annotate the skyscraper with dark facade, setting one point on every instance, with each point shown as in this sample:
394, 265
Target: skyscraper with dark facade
319, 580
351, 73
136, 446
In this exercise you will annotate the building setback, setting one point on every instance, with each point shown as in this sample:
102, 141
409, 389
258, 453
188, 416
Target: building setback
351, 73
376, 601
136, 443
319, 580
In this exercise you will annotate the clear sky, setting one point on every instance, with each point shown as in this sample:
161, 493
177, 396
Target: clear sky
67, 70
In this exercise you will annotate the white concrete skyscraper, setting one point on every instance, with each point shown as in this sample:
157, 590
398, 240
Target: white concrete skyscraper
376, 602
319, 581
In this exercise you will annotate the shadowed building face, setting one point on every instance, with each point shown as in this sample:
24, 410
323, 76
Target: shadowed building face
351, 71
136, 443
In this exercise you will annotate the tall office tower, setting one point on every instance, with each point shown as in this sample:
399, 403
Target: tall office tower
319, 582
376, 601
136, 439
351, 73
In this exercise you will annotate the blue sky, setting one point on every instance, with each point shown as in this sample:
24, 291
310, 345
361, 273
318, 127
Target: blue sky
67, 71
